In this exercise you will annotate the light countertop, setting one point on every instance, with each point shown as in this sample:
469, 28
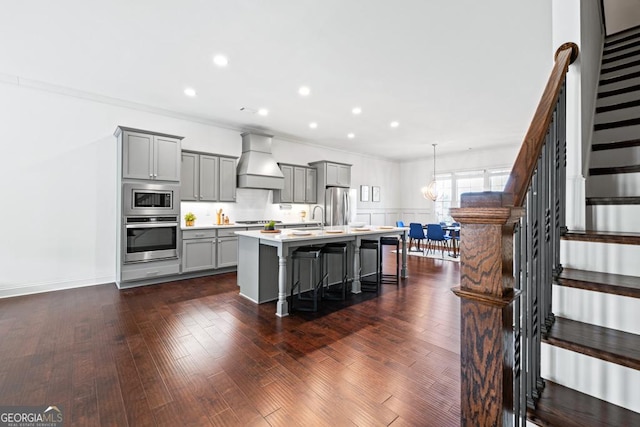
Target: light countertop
201, 226
321, 233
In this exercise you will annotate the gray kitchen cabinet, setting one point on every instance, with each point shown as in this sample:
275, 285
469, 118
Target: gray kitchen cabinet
228, 246
149, 156
338, 175
304, 185
189, 177
330, 174
198, 250
311, 183
227, 179
286, 194
299, 185
207, 177
227, 252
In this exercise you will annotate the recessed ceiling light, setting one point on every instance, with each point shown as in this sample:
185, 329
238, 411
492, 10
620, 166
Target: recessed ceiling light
190, 92
263, 112
394, 124
351, 135
313, 125
220, 60
304, 90
356, 110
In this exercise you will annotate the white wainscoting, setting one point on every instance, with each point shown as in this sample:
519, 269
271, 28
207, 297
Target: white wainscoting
390, 216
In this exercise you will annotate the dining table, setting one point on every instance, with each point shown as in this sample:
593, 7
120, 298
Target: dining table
454, 231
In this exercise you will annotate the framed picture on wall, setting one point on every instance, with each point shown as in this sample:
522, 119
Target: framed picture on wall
375, 194
364, 193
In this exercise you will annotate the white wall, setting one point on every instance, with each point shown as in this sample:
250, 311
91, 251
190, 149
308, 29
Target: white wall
579, 22
591, 45
416, 174
58, 182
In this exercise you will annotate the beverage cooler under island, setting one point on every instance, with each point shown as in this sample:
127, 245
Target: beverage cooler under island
264, 267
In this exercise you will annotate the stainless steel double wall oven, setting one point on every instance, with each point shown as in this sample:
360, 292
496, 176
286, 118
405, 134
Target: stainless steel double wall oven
151, 221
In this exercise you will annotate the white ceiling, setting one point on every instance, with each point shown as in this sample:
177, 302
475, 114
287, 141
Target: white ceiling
463, 74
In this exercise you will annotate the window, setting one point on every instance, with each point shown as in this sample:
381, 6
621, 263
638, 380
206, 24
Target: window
469, 182
452, 185
442, 205
498, 179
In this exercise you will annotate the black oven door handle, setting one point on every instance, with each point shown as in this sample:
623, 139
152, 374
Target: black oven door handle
154, 225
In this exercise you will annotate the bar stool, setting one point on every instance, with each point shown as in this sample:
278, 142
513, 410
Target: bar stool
369, 286
386, 277
329, 251
312, 255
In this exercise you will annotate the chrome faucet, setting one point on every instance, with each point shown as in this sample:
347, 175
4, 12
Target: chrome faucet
313, 213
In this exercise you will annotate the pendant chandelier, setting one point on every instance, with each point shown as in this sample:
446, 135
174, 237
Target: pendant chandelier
430, 192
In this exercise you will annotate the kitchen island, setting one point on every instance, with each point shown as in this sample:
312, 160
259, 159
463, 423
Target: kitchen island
263, 258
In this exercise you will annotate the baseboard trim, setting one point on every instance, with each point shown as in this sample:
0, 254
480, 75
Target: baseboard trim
38, 288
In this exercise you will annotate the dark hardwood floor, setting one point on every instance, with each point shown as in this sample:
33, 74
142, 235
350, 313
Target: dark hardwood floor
195, 353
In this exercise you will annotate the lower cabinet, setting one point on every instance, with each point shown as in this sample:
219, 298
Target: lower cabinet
208, 249
198, 250
227, 252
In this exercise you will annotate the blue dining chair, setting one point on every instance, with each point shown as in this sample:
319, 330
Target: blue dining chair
399, 223
416, 233
436, 237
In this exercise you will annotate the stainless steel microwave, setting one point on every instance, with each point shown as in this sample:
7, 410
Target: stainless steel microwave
150, 199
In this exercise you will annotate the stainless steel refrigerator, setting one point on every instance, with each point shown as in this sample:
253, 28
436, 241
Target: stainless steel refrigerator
337, 206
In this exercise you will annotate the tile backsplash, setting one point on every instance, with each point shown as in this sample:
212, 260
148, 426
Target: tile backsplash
251, 204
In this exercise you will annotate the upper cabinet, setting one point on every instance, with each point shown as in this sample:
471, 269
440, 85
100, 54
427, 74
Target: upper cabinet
332, 174
338, 175
149, 155
228, 179
299, 185
207, 177
310, 182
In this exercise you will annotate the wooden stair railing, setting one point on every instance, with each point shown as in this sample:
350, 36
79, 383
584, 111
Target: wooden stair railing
510, 246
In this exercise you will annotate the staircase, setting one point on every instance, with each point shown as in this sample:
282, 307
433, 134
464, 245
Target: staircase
591, 356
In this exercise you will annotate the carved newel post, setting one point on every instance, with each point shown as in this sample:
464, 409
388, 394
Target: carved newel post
486, 307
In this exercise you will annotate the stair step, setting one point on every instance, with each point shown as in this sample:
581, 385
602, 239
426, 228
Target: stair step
614, 170
616, 134
618, 115
617, 124
616, 284
592, 201
608, 93
628, 156
611, 69
621, 185
612, 218
614, 59
619, 106
620, 48
616, 145
622, 36
603, 237
624, 80
621, 348
563, 406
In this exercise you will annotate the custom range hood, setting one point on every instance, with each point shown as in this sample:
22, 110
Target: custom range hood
256, 167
